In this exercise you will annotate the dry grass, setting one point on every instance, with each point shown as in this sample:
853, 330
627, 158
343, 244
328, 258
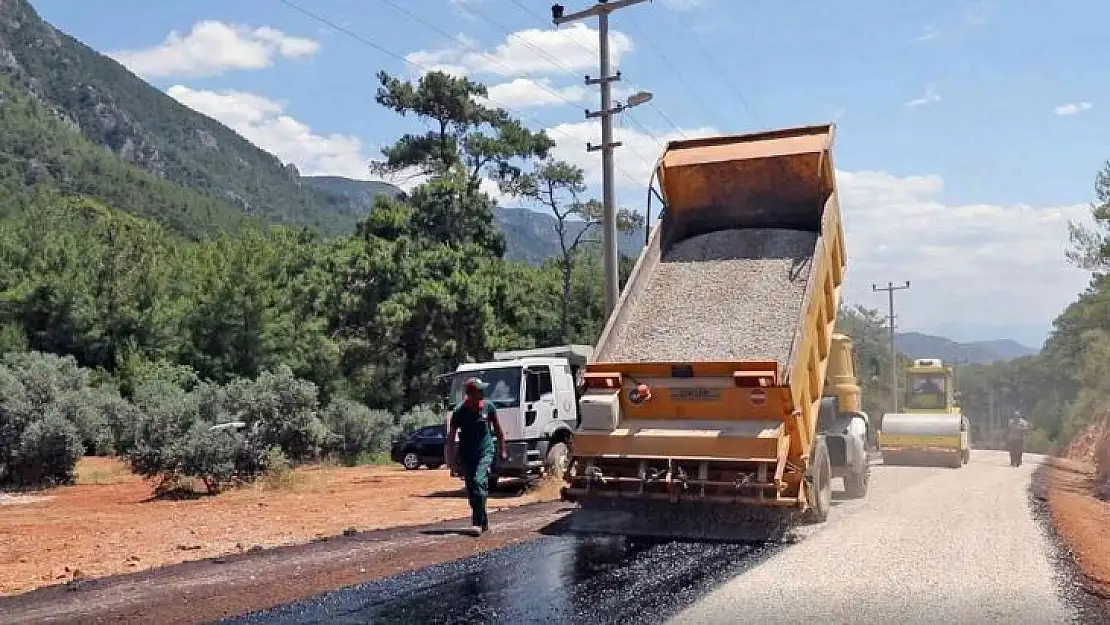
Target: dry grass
107, 471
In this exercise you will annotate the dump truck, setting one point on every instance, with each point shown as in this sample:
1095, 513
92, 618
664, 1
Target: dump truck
705, 405
930, 430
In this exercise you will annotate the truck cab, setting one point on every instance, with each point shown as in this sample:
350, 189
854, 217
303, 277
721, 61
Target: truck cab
536, 395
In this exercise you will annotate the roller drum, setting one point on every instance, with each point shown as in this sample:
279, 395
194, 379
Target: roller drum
922, 439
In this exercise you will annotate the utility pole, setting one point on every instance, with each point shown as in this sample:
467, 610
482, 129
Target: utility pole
609, 214
990, 413
956, 362
890, 289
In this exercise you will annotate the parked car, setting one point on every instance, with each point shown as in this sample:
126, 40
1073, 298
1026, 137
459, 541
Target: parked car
422, 446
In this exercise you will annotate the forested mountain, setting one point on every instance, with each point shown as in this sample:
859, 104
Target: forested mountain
918, 345
56, 91
529, 235
113, 108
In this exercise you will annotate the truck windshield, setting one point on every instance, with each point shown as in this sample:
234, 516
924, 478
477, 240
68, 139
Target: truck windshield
503, 390
926, 391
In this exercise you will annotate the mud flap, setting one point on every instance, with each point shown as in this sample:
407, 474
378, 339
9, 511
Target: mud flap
686, 520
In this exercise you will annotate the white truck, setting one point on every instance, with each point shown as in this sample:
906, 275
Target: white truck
536, 394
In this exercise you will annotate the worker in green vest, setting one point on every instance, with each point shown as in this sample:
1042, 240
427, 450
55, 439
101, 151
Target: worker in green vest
475, 423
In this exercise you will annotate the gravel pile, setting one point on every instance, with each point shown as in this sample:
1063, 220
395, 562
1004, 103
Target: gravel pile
726, 295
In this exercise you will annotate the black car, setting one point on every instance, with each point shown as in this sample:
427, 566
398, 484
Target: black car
422, 446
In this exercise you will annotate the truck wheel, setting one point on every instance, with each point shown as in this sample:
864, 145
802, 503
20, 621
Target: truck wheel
819, 494
411, 461
558, 457
855, 484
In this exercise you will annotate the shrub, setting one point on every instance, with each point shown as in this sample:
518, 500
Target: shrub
45, 376
82, 407
206, 454
122, 418
135, 371
48, 452
419, 417
356, 430
16, 413
283, 408
168, 413
277, 469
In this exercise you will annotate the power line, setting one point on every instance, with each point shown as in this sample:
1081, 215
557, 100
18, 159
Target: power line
681, 75
631, 83
484, 54
498, 61
331, 24
555, 62
721, 70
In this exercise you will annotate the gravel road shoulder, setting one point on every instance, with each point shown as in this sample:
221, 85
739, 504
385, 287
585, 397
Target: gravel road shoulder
207, 590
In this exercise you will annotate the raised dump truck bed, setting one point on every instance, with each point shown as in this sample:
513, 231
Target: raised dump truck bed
708, 378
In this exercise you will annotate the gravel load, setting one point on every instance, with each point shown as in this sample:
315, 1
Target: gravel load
725, 295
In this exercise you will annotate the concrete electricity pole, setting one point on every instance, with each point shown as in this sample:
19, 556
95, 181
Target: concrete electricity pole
956, 362
609, 214
890, 289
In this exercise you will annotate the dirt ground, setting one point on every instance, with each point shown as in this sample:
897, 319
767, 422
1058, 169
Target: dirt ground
207, 590
1082, 519
109, 523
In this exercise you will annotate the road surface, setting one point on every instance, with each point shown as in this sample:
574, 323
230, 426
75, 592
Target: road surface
927, 545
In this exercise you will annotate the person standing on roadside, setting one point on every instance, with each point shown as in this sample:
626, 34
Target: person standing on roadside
475, 423
1016, 432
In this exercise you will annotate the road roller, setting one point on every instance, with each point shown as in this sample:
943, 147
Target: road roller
931, 430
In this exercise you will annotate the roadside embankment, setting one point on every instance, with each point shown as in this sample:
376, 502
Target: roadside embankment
1077, 490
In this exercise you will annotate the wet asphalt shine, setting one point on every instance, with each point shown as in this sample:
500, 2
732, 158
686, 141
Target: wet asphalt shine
554, 579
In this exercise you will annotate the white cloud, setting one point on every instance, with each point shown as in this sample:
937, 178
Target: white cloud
527, 92
983, 264
1072, 108
213, 47
634, 159
574, 47
928, 33
931, 97
264, 123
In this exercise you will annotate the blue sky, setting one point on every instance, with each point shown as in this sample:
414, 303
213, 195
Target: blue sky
969, 131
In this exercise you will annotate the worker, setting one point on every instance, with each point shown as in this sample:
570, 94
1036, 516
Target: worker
1016, 432
475, 423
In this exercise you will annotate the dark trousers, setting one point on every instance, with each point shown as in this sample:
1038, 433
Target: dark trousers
476, 477
1017, 448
